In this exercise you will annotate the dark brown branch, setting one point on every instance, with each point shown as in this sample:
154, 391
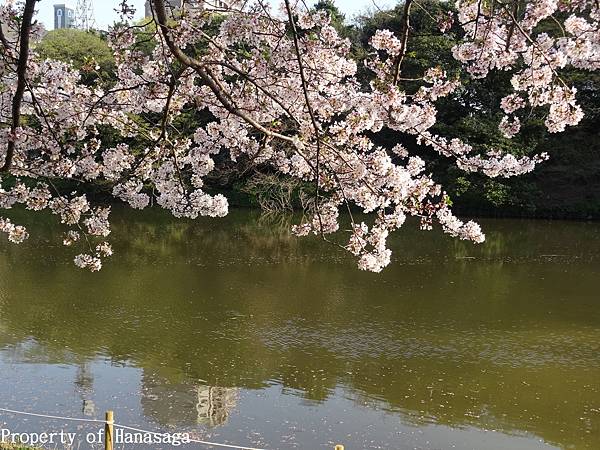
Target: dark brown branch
165, 119
24, 38
308, 103
404, 32
511, 30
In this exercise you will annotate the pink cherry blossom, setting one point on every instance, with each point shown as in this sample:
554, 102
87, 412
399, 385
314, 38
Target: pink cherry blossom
289, 103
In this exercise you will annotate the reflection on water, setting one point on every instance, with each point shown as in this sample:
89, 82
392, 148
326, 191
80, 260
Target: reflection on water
185, 403
237, 331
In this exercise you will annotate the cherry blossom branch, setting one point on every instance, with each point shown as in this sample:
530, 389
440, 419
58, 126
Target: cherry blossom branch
533, 43
206, 75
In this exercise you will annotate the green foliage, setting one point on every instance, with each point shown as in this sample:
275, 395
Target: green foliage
86, 51
145, 36
496, 193
5, 446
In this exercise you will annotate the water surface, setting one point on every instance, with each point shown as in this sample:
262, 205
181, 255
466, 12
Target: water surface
238, 332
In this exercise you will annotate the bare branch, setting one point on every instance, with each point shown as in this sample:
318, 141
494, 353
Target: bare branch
21, 80
404, 32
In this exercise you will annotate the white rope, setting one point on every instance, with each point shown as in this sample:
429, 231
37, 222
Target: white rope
195, 441
12, 411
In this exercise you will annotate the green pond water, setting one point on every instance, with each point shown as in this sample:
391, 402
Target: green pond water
237, 332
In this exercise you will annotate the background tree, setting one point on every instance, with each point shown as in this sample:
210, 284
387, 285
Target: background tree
86, 50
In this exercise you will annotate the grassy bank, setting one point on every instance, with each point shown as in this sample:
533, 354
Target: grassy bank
16, 447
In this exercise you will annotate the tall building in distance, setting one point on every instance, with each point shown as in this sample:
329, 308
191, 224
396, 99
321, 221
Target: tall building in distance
80, 17
168, 4
178, 4
84, 15
64, 17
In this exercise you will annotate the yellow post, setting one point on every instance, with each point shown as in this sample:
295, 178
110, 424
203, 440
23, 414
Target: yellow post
339, 447
108, 431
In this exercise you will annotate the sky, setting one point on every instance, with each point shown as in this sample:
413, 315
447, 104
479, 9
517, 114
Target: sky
106, 15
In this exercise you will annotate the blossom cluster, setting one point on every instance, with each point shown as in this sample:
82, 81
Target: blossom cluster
280, 91
501, 36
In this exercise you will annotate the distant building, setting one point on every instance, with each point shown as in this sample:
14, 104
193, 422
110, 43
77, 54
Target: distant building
168, 4
63, 17
178, 4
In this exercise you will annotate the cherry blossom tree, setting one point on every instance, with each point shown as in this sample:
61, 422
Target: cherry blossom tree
277, 88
